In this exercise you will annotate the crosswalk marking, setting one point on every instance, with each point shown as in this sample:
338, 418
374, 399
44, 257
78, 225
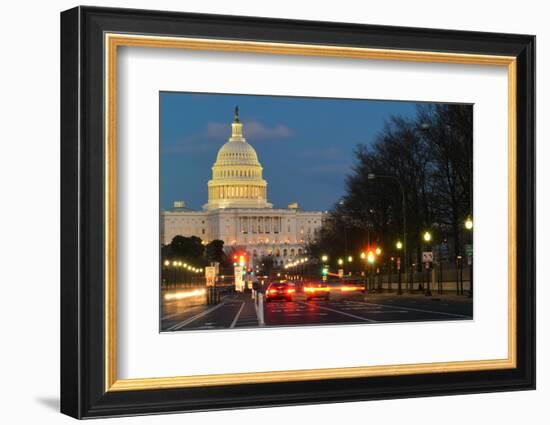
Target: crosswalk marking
346, 314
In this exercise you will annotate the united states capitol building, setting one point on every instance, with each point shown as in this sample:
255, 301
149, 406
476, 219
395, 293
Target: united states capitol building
238, 212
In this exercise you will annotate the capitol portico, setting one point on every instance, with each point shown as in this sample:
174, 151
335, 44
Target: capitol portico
237, 210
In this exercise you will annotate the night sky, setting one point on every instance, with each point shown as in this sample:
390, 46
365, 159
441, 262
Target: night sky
305, 145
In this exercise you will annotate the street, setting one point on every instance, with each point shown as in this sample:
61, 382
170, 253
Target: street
241, 311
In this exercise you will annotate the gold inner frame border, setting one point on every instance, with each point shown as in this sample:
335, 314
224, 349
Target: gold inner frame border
113, 40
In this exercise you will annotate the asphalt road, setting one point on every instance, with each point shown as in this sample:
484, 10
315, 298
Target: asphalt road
238, 311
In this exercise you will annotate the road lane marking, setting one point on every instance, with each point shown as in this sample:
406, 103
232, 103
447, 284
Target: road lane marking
400, 307
234, 322
180, 325
345, 314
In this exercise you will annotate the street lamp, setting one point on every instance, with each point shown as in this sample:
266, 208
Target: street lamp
350, 259
378, 250
340, 261
427, 238
324, 258
469, 225
370, 260
370, 257
363, 256
399, 246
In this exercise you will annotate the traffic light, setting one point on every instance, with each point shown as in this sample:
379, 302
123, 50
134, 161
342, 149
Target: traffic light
242, 260
324, 271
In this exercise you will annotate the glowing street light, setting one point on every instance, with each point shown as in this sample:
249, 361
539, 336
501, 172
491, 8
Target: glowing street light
378, 251
324, 258
427, 236
166, 263
399, 245
370, 257
340, 261
469, 224
350, 259
363, 256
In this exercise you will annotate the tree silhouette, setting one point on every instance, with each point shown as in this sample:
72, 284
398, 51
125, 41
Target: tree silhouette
431, 155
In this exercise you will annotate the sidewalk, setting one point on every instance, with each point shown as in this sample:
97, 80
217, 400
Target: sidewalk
447, 296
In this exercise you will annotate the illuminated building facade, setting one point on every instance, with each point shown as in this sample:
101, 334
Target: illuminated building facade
237, 211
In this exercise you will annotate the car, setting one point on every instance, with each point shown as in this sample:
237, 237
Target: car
320, 290
347, 290
280, 291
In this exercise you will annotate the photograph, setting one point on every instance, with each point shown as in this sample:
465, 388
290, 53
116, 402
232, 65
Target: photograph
281, 211
301, 192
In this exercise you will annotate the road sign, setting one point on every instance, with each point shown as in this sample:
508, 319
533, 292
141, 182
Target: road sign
427, 256
210, 274
216, 265
239, 282
441, 252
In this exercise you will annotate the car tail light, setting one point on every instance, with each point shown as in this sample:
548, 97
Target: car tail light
290, 291
350, 288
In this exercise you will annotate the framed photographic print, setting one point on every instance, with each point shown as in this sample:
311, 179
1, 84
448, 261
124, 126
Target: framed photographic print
261, 212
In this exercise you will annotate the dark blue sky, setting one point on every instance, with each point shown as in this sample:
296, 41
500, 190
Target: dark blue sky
305, 145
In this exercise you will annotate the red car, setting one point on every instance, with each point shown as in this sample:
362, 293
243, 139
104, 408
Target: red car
317, 290
280, 291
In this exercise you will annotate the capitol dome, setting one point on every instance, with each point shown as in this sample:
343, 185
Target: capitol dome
237, 180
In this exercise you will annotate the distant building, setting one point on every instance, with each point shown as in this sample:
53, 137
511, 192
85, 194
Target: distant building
238, 212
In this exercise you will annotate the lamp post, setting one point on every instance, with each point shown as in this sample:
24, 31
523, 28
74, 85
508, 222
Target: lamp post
363, 256
372, 176
399, 246
165, 279
371, 260
427, 239
469, 225
340, 265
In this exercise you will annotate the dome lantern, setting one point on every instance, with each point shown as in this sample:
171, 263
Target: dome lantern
237, 128
237, 180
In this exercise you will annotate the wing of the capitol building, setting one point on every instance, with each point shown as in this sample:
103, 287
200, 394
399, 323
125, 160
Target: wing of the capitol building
238, 212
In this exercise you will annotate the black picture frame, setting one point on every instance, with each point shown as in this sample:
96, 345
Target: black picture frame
83, 392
